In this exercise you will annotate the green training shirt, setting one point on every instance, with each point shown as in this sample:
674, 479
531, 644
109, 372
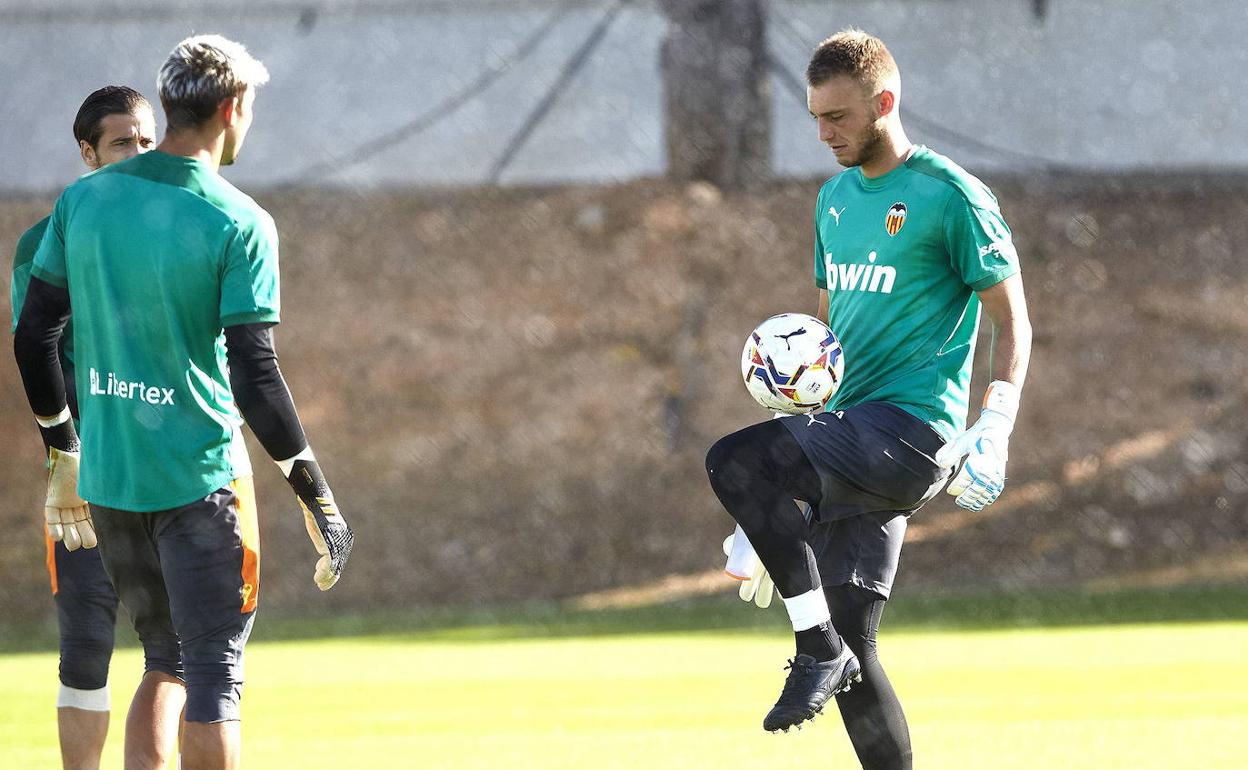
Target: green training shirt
23, 259
902, 256
159, 253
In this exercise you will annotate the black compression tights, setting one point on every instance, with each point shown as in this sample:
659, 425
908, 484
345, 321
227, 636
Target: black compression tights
756, 473
871, 712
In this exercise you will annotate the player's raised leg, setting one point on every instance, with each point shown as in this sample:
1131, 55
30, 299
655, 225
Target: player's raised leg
756, 473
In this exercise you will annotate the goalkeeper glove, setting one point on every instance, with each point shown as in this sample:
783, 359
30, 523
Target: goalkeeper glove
745, 566
67, 516
986, 448
329, 532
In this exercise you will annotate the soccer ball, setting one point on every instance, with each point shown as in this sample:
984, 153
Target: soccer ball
792, 363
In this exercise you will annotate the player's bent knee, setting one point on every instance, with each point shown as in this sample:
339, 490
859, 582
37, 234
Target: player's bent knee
163, 655
717, 459
84, 665
213, 701
731, 462
214, 675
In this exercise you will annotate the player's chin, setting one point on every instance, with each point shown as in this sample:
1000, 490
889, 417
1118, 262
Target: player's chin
846, 157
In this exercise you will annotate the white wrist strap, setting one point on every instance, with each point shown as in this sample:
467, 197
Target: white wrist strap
1002, 397
52, 422
288, 464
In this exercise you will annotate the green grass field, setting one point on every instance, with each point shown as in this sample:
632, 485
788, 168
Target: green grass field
1026, 683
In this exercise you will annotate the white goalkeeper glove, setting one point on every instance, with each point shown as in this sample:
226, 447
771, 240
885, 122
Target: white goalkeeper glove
67, 515
745, 566
986, 448
329, 532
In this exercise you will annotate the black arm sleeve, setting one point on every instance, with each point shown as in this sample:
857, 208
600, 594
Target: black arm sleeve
71, 384
262, 395
35, 345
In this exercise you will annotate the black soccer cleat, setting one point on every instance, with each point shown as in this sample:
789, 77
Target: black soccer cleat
809, 686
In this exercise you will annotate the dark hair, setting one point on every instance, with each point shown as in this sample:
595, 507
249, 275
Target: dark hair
109, 100
855, 53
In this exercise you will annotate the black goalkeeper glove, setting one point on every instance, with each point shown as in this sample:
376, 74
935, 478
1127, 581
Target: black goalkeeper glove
328, 530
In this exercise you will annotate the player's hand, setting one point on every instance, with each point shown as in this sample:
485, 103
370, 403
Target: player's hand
759, 588
986, 448
67, 515
329, 532
745, 566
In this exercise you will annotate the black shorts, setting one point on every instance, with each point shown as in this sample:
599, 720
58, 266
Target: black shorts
86, 614
875, 468
189, 578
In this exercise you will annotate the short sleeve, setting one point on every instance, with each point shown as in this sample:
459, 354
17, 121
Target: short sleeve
821, 269
17, 291
23, 261
249, 279
981, 248
49, 262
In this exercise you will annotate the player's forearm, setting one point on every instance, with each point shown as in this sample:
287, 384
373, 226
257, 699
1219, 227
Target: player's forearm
35, 346
1011, 350
1011, 330
261, 392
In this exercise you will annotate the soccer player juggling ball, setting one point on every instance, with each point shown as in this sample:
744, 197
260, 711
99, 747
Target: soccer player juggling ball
172, 276
932, 240
113, 123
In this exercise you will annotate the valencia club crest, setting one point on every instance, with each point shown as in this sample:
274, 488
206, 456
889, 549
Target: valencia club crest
895, 218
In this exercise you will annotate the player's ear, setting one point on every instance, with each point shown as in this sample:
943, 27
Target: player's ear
886, 102
228, 110
88, 154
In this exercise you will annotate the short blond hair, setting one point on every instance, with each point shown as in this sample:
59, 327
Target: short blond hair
855, 53
200, 72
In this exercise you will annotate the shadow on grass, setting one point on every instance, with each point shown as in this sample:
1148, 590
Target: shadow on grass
932, 612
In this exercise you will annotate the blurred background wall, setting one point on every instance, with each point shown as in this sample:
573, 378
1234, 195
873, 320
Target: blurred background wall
369, 93
513, 306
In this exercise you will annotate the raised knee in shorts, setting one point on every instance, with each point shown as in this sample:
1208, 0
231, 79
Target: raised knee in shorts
717, 458
731, 463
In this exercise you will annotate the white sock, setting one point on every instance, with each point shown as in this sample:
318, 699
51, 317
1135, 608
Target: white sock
808, 610
87, 700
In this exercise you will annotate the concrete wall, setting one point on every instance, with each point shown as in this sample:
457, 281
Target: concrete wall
1092, 84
